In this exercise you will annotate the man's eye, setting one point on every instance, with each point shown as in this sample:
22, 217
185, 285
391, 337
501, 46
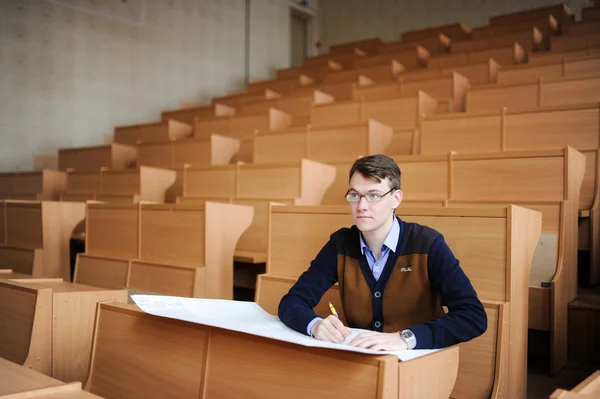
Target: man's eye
354, 196
373, 196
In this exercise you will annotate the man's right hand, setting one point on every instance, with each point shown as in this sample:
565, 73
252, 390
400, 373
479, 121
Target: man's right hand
330, 329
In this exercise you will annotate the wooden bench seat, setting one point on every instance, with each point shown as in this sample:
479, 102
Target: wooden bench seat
243, 127
530, 39
505, 56
382, 72
216, 150
573, 43
484, 366
560, 12
455, 32
88, 159
436, 44
480, 73
189, 115
541, 129
467, 177
237, 100
449, 91
579, 68
181, 250
35, 236
416, 57
303, 182
20, 382
161, 131
367, 46
316, 73
40, 185
281, 86
544, 93
200, 364
51, 325
316, 143
129, 185
297, 105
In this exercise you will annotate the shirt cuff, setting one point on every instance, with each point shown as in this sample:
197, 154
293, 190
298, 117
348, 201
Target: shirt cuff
311, 324
423, 336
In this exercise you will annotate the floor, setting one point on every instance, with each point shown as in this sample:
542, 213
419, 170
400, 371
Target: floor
541, 385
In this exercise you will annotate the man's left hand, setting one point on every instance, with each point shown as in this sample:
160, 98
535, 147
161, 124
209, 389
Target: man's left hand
379, 341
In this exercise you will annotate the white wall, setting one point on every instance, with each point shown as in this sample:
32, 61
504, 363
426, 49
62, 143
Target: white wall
347, 20
71, 70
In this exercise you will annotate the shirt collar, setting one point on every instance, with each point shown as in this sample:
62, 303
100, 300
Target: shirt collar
391, 241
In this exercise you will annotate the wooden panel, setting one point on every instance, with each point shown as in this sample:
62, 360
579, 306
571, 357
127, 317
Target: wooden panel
101, 272
165, 279
468, 134
255, 238
24, 225
268, 182
19, 381
577, 91
334, 114
121, 182
17, 310
504, 180
456, 31
112, 231
215, 182
84, 182
494, 98
572, 43
85, 159
539, 305
27, 261
189, 115
287, 146
157, 154
423, 181
173, 236
398, 113
193, 152
118, 371
589, 186
530, 73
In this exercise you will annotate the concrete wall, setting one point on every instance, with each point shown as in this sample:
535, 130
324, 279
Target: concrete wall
71, 70
347, 20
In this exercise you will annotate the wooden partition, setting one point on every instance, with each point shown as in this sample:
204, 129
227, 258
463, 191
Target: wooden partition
40, 185
35, 236
542, 58
479, 73
436, 44
530, 130
467, 177
281, 86
450, 91
20, 382
91, 159
590, 13
572, 43
237, 100
410, 58
530, 39
578, 68
368, 46
581, 28
547, 25
316, 143
303, 182
560, 12
345, 60
493, 365
189, 115
166, 130
383, 72
454, 32
505, 56
297, 105
543, 93
216, 150
181, 250
51, 325
200, 364
317, 73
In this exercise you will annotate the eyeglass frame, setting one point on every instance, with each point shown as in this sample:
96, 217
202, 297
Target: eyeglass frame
361, 196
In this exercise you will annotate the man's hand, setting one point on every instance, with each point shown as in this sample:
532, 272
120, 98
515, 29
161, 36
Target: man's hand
379, 341
330, 329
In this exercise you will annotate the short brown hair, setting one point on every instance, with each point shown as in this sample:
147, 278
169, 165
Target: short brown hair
378, 167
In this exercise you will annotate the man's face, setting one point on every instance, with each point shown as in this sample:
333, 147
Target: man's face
369, 216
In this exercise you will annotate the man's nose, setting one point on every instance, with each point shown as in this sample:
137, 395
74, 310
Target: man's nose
362, 202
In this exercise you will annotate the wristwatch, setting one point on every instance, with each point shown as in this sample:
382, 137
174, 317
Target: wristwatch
409, 338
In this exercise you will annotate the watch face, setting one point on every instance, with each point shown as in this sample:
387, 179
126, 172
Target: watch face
407, 334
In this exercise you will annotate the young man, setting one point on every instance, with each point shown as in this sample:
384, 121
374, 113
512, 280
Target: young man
394, 276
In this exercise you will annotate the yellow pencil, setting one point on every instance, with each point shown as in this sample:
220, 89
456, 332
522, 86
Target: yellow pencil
333, 312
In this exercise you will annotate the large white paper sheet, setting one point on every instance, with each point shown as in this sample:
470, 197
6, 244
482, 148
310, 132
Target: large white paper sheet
247, 317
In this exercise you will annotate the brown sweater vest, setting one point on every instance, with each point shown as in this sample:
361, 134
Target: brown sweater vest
402, 297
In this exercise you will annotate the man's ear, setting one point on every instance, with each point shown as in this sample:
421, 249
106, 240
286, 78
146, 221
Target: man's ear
398, 196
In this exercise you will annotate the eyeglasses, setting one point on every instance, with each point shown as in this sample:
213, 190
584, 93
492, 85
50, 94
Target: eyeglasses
370, 197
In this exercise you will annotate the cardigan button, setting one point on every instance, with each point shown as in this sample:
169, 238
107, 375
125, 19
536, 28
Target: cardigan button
377, 294
377, 324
